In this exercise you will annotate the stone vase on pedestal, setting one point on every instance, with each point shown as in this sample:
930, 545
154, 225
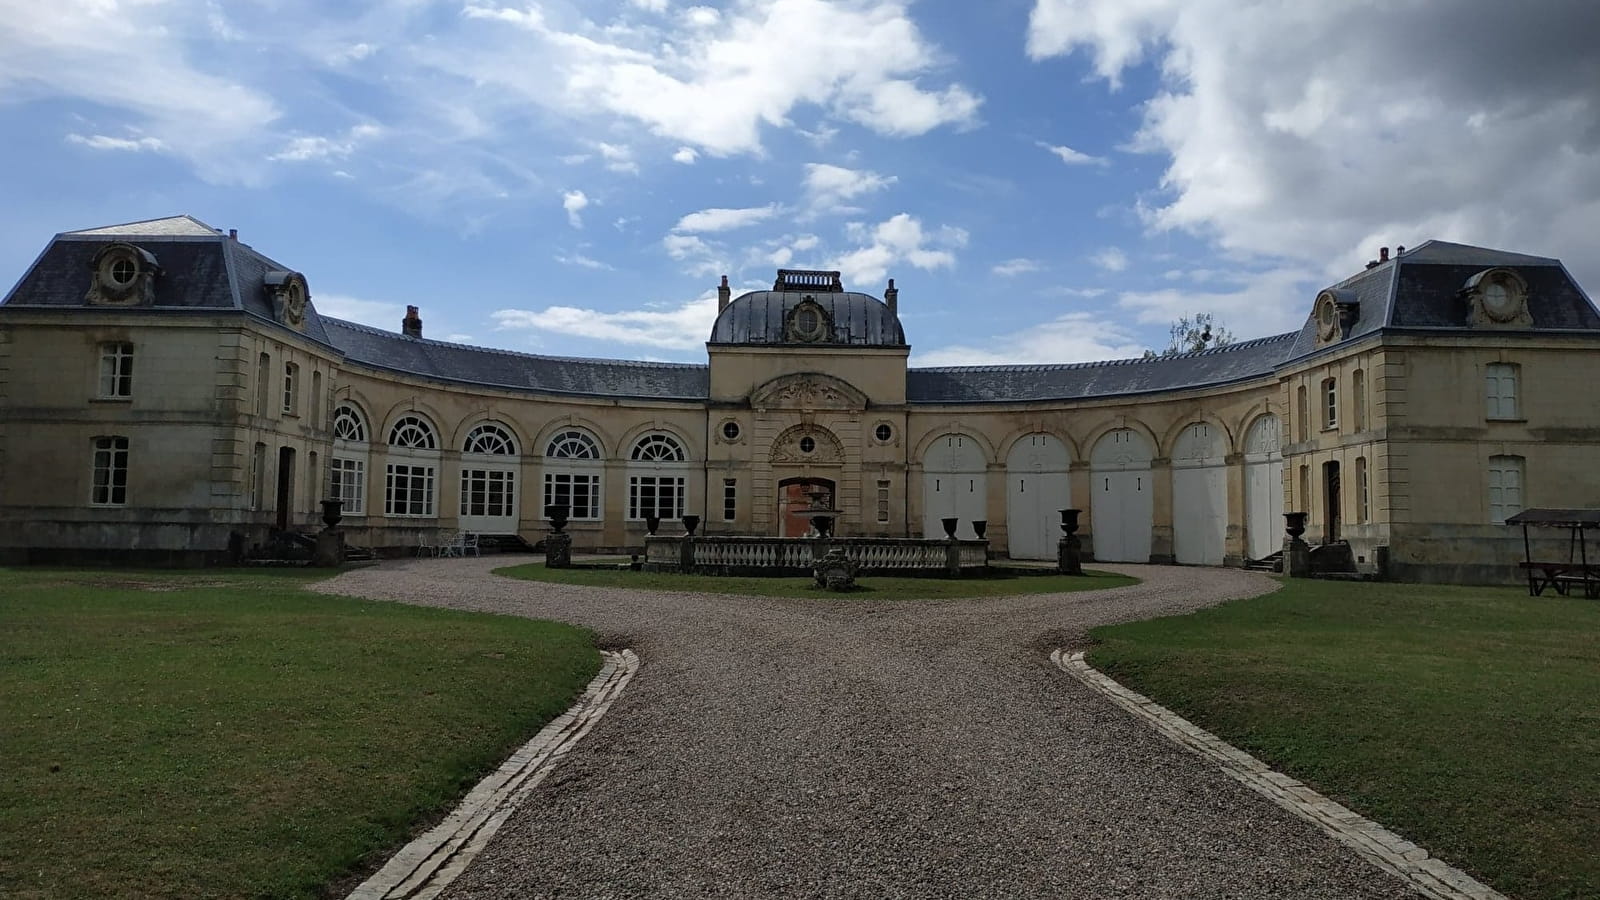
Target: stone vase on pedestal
558, 546
329, 552
1296, 552
1069, 550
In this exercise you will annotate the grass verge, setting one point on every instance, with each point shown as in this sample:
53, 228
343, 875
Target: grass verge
871, 587
1466, 719
233, 735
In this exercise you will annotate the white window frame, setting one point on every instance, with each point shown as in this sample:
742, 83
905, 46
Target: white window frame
730, 499
409, 489
883, 502
573, 463
258, 475
116, 370
291, 389
1506, 487
1330, 403
1358, 399
657, 477
673, 487
108, 460
347, 481
1363, 491
488, 493
1501, 400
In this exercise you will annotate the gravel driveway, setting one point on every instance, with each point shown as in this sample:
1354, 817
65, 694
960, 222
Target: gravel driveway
863, 748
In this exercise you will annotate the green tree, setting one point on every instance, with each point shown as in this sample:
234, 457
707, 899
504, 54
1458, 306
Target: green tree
1190, 334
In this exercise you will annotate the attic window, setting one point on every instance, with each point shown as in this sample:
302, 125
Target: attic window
1497, 298
808, 322
122, 271
122, 275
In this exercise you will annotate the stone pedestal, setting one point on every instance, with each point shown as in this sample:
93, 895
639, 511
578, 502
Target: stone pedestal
1296, 558
558, 551
835, 571
329, 552
1069, 555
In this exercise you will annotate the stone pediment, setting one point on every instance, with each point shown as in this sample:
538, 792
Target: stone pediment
808, 391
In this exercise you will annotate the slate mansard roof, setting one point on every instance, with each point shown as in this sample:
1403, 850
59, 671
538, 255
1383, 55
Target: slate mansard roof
205, 270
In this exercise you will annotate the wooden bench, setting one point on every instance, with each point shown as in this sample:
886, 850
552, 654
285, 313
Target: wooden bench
1562, 576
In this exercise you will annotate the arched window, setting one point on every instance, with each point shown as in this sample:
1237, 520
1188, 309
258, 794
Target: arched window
490, 439
411, 474
572, 445
412, 433
657, 494
658, 448
348, 424
572, 474
347, 467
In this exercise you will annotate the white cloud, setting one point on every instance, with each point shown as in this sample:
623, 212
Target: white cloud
1074, 337
829, 188
1317, 132
701, 16
1260, 303
1072, 157
1017, 266
574, 202
685, 155
1080, 293
725, 219
898, 239
578, 259
316, 148
683, 327
377, 313
106, 142
715, 83
618, 157
1111, 259
650, 5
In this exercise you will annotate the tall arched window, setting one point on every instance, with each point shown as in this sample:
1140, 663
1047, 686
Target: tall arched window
489, 480
347, 467
411, 475
657, 479
572, 474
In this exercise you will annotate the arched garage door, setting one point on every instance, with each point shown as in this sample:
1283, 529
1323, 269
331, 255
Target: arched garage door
1199, 496
1037, 486
1123, 498
1263, 488
953, 485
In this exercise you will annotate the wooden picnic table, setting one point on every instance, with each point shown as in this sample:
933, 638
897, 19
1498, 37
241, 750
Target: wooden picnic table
1563, 575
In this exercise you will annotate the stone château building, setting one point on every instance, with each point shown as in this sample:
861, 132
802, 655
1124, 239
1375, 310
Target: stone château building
168, 393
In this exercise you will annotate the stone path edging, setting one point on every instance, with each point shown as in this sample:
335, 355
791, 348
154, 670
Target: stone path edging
428, 864
1374, 843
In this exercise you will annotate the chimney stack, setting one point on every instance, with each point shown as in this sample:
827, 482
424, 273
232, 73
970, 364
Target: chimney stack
233, 234
724, 294
411, 325
891, 296
1399, 251
1383, 254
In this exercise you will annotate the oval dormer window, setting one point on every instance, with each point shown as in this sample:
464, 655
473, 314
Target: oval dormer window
122, 271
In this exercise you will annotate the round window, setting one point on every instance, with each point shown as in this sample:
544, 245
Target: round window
883, 432
122, 271
807, 321
807, 444
730, 431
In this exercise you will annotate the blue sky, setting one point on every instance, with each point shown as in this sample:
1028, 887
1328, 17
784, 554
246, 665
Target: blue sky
1046, 180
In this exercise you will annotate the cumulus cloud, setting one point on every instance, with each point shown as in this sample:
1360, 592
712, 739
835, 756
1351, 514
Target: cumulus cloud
1017, 266
1074, 337
725, 219
1112, 259
618, 157
686, 156
106, 142
1316, 132
1072, 157
898, 239
574, 202
1250, 304
377, 313
829, 188
714, 82
681, 327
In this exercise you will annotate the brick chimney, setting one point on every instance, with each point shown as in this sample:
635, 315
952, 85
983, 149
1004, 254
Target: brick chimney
411, 325
891, 296
724, 294
1383, 254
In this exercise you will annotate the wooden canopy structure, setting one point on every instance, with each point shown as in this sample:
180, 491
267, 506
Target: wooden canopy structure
1576, 571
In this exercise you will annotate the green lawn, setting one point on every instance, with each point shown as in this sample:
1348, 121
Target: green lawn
1466, 719
869, 587
232, 735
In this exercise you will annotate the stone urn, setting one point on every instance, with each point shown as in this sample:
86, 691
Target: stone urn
690, 523
1069, 520
332, 512
949, 523
651, 523
823, 524
1295, 524
836, 571
557, 514
979, 527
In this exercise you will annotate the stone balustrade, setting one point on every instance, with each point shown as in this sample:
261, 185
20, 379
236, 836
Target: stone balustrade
777, 556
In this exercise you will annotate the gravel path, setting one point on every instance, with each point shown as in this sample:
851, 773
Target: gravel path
850, 748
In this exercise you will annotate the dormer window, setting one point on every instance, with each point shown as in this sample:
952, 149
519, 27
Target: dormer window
1497, 298
809, 323
289, 294
123, 276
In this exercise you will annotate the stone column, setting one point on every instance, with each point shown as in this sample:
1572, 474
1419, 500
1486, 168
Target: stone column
1233, 546
1161, 519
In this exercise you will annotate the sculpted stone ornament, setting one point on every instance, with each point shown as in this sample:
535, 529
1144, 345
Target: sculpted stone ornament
124, 275
289, 295
836, 571
791, 446
1497, 298
808, 392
